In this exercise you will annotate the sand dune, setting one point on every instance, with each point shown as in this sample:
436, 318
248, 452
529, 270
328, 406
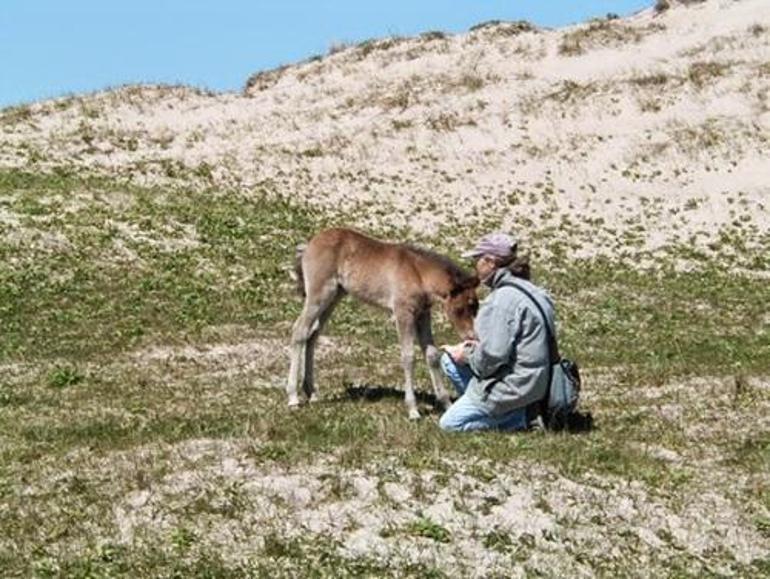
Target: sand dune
654, 127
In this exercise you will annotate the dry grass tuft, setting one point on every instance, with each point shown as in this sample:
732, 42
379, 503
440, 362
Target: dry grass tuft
264, 80
504, 28
367, 47
15, 115
598, 33
702, 73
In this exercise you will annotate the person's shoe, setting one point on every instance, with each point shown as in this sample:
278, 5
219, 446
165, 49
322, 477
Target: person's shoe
537, 424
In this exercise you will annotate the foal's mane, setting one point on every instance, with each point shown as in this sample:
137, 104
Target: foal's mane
458, 276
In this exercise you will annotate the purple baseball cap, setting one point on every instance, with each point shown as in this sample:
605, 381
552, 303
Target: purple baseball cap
497, 244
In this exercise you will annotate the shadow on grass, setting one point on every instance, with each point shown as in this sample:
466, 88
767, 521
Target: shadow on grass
580, 422
576, 423
374, 393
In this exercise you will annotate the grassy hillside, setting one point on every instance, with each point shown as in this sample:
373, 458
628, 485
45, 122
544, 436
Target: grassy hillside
146, 239
632, 134
144, 429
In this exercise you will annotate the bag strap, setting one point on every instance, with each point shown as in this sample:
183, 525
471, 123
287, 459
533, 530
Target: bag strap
553, 348
553, 351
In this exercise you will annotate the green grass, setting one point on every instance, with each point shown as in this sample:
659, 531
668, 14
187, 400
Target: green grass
61, 377
85, 301
114, 270
281, 557
706, 321
425, 527
82, 301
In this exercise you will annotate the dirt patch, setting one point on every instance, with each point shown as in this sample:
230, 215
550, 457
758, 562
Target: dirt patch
469, 523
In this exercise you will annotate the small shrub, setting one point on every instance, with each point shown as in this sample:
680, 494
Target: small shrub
127, 142
15, 115
337, 47
695, 139
7, 396
433, 35
424, 527
443, 122
278, 547
471, 82
598, 32
757, 30
87, 133
366, 47
662, 6
500, 541
401, 125
503, 28
90, 110
64, 376
651, 80
172, 168
763, 526
204, 171
316, 151
650, 106
570, 91
401, 99
265, 79
163, 140
484, 25
183, 538
701, 73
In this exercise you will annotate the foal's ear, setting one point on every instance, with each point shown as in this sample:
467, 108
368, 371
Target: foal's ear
470, 283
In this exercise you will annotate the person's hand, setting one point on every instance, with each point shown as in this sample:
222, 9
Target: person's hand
461, 351
457, 351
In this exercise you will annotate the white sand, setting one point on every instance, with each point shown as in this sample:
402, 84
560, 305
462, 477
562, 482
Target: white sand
445, 130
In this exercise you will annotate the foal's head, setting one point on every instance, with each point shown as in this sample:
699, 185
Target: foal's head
461, 307
455, 286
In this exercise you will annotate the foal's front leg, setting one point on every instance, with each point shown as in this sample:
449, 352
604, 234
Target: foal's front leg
432, 357
405, 324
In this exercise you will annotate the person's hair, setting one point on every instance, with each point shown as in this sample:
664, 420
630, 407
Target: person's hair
518, 265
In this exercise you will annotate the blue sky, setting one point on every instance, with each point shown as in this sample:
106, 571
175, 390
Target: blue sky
55, 47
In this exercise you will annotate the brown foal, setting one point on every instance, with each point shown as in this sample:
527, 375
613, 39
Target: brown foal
404, 279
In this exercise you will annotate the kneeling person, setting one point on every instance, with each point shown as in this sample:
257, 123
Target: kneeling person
506, 369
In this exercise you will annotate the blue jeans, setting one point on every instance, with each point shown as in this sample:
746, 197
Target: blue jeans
467, 414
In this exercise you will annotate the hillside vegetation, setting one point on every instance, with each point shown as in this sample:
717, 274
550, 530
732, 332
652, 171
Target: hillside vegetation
146, 239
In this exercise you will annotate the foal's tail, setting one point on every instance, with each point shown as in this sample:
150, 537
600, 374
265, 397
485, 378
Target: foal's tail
298, 274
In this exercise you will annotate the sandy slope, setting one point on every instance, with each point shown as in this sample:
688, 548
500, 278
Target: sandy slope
647, 130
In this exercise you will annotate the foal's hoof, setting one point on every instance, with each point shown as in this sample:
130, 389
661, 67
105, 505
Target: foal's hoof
293, 403
414, 414
445, 403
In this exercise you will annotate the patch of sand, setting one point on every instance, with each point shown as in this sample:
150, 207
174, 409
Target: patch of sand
657, 128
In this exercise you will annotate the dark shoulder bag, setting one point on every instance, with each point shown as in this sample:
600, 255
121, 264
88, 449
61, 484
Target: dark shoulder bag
563, 387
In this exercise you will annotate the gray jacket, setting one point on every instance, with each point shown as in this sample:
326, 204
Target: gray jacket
510, 360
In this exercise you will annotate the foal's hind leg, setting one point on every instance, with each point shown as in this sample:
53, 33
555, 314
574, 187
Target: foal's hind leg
309, 321
432, 357
405, 324
308, 383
